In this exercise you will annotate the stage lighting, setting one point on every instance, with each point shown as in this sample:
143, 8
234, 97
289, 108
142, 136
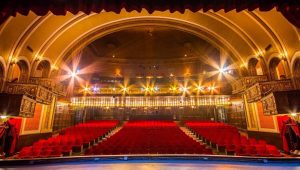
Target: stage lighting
222, 70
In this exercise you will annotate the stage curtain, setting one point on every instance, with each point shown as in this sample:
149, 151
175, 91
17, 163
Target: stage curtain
12, 135
60, 7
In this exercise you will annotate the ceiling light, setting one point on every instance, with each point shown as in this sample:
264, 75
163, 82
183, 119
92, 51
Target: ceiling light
86, 89
124, 89
293, 114
222, 70
183, 89
95, 89
74, 73
199, 88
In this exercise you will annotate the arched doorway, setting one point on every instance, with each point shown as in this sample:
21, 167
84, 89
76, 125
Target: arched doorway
255, 67
43, 69
20, 72
296, 71
2, 73
277, 71
296, 68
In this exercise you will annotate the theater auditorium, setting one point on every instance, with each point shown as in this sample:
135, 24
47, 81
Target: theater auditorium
127, 84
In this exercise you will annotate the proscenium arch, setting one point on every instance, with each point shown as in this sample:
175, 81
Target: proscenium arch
94, 20
102, 30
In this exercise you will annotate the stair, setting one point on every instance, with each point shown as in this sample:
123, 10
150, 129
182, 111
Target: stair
194, 137
190, 134
114, 131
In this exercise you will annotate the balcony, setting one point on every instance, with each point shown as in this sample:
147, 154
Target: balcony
281, 102
50, 84
261, 89
243, 83
17, 105
37, 92
297, 82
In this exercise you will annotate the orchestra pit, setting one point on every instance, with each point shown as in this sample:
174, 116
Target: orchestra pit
162, 85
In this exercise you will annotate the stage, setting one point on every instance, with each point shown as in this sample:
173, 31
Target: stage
154, 162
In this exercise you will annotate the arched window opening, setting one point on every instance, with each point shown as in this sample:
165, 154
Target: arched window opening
297, 68
255, 67
19, 72
277, 71
42, 70
1, 74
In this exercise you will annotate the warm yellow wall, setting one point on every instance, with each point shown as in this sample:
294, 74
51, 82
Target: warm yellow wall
245, 32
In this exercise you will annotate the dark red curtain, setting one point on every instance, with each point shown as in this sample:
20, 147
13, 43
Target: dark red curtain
289, 8
282, 121
12, 135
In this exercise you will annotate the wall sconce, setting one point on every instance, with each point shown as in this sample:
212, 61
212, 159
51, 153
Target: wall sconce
283, 56
259, 54
13, 61
38, 58
54, 67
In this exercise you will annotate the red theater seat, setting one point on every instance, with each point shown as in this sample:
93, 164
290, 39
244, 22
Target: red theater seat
71, 139
148, 137
225, 136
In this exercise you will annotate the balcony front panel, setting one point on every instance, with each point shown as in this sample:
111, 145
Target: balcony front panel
243, 83
39, 93
261, 89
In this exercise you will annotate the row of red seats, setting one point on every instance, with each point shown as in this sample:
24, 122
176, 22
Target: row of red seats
71, 139
223, 136
149, 137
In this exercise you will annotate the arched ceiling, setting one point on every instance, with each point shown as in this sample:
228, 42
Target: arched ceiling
241, 34
150, 51
148, 43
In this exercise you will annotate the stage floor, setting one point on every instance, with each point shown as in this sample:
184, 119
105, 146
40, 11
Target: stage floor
158, 165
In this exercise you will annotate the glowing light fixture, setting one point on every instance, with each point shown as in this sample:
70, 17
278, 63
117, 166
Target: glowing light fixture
124, 89
3, 116
14, 60
96, 89
86, 89
222, 70
293, 114
199, 88
74, 73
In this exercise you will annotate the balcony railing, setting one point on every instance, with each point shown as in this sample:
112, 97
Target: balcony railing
261, 89
37, 92
50, 84
18, 105
297, 82
243, 83
269, 105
